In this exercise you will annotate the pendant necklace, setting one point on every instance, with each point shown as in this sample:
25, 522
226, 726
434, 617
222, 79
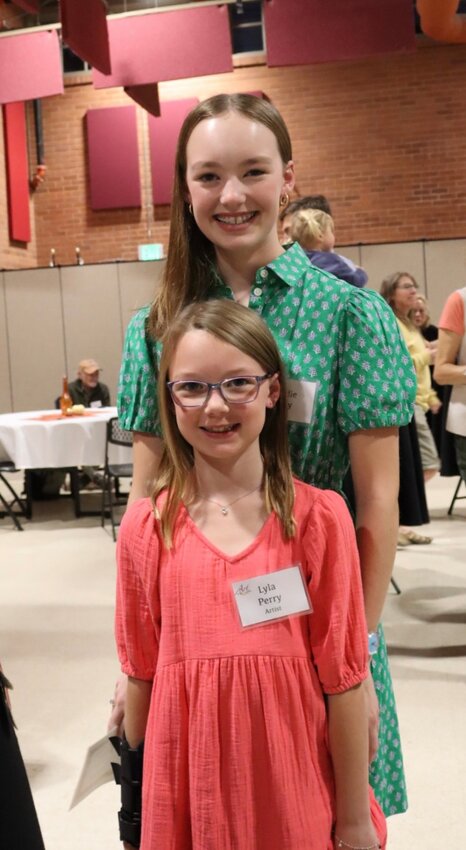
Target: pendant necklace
224, 508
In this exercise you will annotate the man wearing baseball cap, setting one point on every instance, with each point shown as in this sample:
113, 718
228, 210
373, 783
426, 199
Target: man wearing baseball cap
87, 389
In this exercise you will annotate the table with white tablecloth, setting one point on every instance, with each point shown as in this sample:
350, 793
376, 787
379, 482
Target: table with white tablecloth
42, 439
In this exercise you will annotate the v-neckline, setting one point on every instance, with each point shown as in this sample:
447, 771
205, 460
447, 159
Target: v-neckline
224, 555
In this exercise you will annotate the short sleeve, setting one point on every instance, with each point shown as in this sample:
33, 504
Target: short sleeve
377, 384
137, 615
338, 627
453, 318
137, 386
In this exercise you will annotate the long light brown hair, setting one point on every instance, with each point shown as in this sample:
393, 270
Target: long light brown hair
190, 254
387, 291
230, 322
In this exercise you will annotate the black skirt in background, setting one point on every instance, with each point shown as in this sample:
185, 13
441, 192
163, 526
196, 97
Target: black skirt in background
412, 495
19, 827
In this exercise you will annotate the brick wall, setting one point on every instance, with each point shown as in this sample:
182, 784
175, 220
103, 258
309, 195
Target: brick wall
384, 138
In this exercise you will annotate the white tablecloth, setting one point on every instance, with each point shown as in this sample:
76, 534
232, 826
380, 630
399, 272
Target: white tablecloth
78, 441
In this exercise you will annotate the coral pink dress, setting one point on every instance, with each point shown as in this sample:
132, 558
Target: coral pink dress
236, 754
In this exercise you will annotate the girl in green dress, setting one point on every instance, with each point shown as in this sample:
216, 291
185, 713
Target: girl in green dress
351, 382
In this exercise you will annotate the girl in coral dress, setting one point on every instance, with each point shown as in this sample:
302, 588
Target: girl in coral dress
240, 619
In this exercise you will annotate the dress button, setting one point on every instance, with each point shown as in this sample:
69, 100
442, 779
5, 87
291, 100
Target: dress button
257, 291
264, 273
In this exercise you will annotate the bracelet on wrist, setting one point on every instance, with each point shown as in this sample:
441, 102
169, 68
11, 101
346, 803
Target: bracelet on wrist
373, 643
339, 843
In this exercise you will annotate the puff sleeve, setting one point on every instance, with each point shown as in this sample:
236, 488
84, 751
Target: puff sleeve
338, 630
377, 380
137, 385
137, 616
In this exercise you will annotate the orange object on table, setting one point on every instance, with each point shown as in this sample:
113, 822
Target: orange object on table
51, 417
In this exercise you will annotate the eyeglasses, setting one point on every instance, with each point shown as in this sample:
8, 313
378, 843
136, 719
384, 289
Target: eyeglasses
406, 286
238, 390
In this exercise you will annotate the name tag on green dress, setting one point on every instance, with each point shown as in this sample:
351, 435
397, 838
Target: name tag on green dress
301, 397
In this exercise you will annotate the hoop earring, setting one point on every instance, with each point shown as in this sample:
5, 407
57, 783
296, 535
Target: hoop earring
284, 200
190, 209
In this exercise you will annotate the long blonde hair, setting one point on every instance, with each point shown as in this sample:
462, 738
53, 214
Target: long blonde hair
308, 227
230, 322
190, 254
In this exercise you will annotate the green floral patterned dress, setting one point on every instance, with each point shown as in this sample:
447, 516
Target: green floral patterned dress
348, 369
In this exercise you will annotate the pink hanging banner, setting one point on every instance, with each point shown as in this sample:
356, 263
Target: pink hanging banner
145, 96
30, 66
16, 160
84, 28
167, 46
163, 137
303, 32
112, 143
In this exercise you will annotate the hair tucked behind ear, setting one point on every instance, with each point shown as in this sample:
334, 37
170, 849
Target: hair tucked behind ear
242, 328
190, 254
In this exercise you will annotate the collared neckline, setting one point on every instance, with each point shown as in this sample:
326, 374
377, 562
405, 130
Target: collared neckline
285, 271
286, 265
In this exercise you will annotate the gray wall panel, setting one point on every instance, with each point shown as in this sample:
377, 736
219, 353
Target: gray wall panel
138, 283
35, 335
352, 252
382, 260
91, 310
6, 401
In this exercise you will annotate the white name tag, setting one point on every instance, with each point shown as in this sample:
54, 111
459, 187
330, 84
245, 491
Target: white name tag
96, 403
301, 398
271, 596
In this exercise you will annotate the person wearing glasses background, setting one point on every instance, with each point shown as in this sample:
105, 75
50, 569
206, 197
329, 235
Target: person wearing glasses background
240, 618
350, 378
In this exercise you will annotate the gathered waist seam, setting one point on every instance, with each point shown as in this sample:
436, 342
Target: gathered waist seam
233, 657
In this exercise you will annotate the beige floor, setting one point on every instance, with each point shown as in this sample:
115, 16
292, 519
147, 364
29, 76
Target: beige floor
56, 601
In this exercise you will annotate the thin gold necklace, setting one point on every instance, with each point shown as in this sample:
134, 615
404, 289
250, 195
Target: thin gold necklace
224, 508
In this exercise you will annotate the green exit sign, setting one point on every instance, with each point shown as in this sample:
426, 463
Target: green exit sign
151, 251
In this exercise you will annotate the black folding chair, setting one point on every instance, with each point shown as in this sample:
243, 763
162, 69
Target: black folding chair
456, 497
21, 504
111, 496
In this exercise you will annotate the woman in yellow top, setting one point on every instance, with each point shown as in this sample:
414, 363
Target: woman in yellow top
400, 291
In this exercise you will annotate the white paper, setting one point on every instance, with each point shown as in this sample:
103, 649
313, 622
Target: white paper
271, 596
301, 397
456, 418
97, 769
